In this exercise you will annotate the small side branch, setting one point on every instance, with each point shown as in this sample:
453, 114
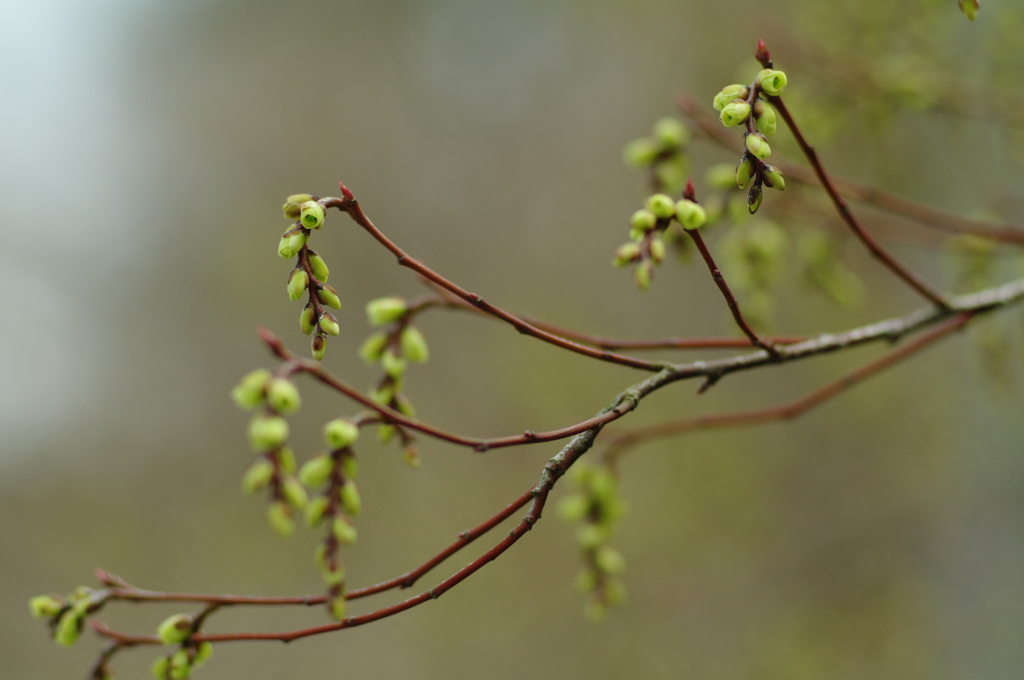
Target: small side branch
351, 206
907, 276
730, 299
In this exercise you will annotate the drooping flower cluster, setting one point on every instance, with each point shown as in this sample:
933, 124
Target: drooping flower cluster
744, 105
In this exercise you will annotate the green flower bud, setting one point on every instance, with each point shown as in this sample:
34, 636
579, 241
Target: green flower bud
318, 347
204, 650
180, 668
332, 570
969, 8
338, 608
643, 220
316, 511
392, 363
744, 171
610, 560
757, 145
657, 247
661, 205
373, 348
294, 493
283, 396
385, 433
772, 82
735, 113
160, 668
721, 176
729, 93
642, 275
670, 133
307, 319
340, 433
773, 178
258, 475
249, 392
267, 432
298, 282
293, 205
383, 395
69, 627
319, 267
690, 215
626, 253
316, 470
343, 532
349, 497
328, 296
411, 456
640, 152
414, 345
385, 310
311, 215
754, 197
329, 324
574, 508
585, 581
291, 243
764, 117
175, 629
286, 459
614, 592
349, 465
45, 606
592, 536
279, 516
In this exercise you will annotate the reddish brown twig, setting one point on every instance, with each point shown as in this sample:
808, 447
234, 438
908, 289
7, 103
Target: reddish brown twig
351, 206
552, 472
316, 370
907, 276
730, 299
623, 442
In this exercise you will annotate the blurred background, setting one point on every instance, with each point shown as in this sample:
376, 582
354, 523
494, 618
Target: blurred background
147, 148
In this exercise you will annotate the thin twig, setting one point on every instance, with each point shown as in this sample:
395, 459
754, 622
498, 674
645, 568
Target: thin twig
351, 206
730, 299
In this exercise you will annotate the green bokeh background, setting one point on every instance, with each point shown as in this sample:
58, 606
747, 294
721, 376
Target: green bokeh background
147, 148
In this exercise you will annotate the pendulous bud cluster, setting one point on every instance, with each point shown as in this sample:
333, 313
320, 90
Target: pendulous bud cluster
330, 479
739, 105
663, 153
597, 506
646, 247
309, 277
394, 349
66, 616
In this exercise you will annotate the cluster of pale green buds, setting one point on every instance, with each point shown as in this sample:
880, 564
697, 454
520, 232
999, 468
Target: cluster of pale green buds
394, 348
310, 272
274, 468
646, 245
743, 105
178, 630
662, 153
597, 506
66, 616
330, 477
